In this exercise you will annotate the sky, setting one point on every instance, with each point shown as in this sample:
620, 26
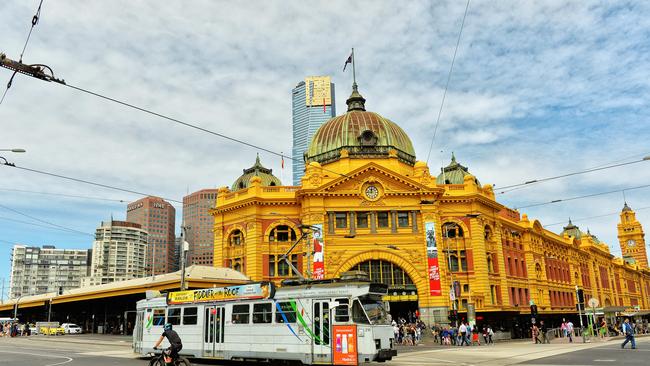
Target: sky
538, 89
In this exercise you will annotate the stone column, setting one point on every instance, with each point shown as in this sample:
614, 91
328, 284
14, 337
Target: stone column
353, 223
414, 219
330, 222
372, 216
393, 221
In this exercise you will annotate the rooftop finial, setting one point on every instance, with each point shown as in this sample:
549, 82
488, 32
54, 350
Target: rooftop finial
453, 157
355, 102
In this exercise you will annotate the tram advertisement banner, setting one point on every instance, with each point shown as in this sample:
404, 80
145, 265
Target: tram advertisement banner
345, 344
262, 290
432, 259
319, 252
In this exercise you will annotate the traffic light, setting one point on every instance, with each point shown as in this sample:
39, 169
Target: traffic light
453, 315
581, 296
533, 311
60, 290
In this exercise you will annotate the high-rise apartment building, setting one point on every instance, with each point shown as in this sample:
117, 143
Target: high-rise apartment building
199, 224
313, 104
37, 270
119, 253
158, 219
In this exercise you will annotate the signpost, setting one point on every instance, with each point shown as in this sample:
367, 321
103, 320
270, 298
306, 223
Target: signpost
593, 304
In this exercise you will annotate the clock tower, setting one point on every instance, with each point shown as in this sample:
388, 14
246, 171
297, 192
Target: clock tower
631, 237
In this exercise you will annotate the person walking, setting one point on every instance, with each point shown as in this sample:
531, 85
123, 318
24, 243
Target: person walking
628, 332
569, 331
543, 330
563, 328
490, 334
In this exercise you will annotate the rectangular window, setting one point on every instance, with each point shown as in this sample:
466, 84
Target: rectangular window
382, 219
362, 220
158, 316
240, 314
174, 316
403, 219
189, 316
262, 313
341, 220
285, 312
342, 313
272, 265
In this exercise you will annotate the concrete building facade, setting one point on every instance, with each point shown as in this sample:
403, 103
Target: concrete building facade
313, 103
119, 253
158, 218
198, 221
37, 270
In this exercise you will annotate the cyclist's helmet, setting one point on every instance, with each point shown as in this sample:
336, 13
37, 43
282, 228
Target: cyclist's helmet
168, 326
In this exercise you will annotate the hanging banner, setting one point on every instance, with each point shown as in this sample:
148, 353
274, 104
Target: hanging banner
432, 259
318, 247
345, 344
262, 290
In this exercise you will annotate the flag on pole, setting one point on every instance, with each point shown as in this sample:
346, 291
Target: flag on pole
348, 61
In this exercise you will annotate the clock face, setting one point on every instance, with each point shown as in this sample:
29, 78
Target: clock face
372, 192
630, 243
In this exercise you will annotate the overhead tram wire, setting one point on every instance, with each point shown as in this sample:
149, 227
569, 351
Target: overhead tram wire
39, 225
35, 20
513, 187
444, 94
581, 197
89, 182
63, 195
43, 221
594, 217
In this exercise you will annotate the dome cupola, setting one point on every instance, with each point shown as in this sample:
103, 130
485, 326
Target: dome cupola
257, 170
454, 173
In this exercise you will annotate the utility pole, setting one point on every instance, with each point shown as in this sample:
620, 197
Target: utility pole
184, 249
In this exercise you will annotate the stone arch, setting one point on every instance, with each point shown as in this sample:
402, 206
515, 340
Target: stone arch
457, 222
419, 279
231, 229
277, 223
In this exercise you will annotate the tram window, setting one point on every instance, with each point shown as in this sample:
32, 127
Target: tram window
342, 312
262, 313
174, 316
240, 314
158, 316
358, 315
288, 312
326, 323
189, 316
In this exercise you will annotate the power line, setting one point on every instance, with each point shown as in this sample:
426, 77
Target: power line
581, 197
89, 182
595, 217
39, 225
62, 195
534, 181
451, 68
43, 221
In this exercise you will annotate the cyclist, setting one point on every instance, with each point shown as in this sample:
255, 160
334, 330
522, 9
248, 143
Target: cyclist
174, 341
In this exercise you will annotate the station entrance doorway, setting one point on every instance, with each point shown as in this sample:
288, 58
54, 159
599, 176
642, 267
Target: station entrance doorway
402, 295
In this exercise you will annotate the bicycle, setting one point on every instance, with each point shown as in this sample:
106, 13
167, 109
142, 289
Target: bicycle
159, 359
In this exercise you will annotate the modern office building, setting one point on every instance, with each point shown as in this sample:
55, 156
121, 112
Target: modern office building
119, 253
313, 104
158, 218
37, 270
198, 221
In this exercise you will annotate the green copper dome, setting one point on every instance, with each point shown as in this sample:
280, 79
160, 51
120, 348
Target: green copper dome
572, 230
454, 173
363, 134
268, 179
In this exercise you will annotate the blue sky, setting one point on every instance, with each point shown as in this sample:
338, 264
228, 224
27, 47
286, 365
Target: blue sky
539, 89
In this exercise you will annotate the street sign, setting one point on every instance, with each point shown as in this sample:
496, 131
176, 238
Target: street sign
593, 302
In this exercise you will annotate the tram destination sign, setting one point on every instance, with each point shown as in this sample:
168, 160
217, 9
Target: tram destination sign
263, 290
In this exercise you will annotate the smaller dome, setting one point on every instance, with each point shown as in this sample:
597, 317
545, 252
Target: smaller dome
626, 207
259, 171
572, 230
454, 173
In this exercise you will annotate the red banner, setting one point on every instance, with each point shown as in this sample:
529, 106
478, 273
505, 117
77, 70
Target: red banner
319, 253
434, 277
345, 344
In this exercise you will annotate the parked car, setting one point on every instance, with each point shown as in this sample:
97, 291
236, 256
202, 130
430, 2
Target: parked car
71, 328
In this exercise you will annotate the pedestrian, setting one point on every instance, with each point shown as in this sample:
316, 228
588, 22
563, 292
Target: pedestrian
490, 333
563, 327
603, 328
485, 335
535, 333
628, 332
569, 331
543, 330
462, 332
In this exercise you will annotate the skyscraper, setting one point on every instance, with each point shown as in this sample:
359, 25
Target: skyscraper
313, 104
199, 223
158, 218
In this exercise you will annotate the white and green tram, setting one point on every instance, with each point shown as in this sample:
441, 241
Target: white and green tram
327, 322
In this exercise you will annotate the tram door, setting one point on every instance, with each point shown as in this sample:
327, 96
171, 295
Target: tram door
213, 327
322, 324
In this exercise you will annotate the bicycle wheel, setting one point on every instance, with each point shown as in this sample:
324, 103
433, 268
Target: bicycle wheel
157, 361
182, 361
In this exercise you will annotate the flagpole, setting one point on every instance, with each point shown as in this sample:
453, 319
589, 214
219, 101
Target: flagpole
354, 73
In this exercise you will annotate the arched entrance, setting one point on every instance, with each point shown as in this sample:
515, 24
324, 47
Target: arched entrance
402, 292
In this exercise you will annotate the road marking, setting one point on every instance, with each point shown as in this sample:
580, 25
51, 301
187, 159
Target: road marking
69, 359
119, 354
604, 360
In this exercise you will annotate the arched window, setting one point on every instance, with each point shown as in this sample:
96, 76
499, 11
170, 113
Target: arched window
272, 184
538, 271
241, 185
487, 233
237, 266
452, 230
282, 233
384, 272
236, 238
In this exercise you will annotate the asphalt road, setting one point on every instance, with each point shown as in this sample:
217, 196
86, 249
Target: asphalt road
609, 354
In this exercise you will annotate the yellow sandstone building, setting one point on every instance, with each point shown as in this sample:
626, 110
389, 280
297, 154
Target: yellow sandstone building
432, 239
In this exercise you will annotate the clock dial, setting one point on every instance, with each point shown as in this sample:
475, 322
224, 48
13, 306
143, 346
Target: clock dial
372, 192
631, 243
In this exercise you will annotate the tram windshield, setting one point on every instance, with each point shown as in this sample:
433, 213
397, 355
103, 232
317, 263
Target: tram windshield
375, 310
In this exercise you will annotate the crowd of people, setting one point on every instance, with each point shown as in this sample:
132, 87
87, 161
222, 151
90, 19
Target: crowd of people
408, 333
465, 334
14, 329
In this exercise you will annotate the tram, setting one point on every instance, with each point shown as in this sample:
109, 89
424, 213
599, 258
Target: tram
326, 322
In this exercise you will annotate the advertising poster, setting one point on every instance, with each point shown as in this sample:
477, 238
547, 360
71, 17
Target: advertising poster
345, 344
432, 259
319, 253
230, 293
